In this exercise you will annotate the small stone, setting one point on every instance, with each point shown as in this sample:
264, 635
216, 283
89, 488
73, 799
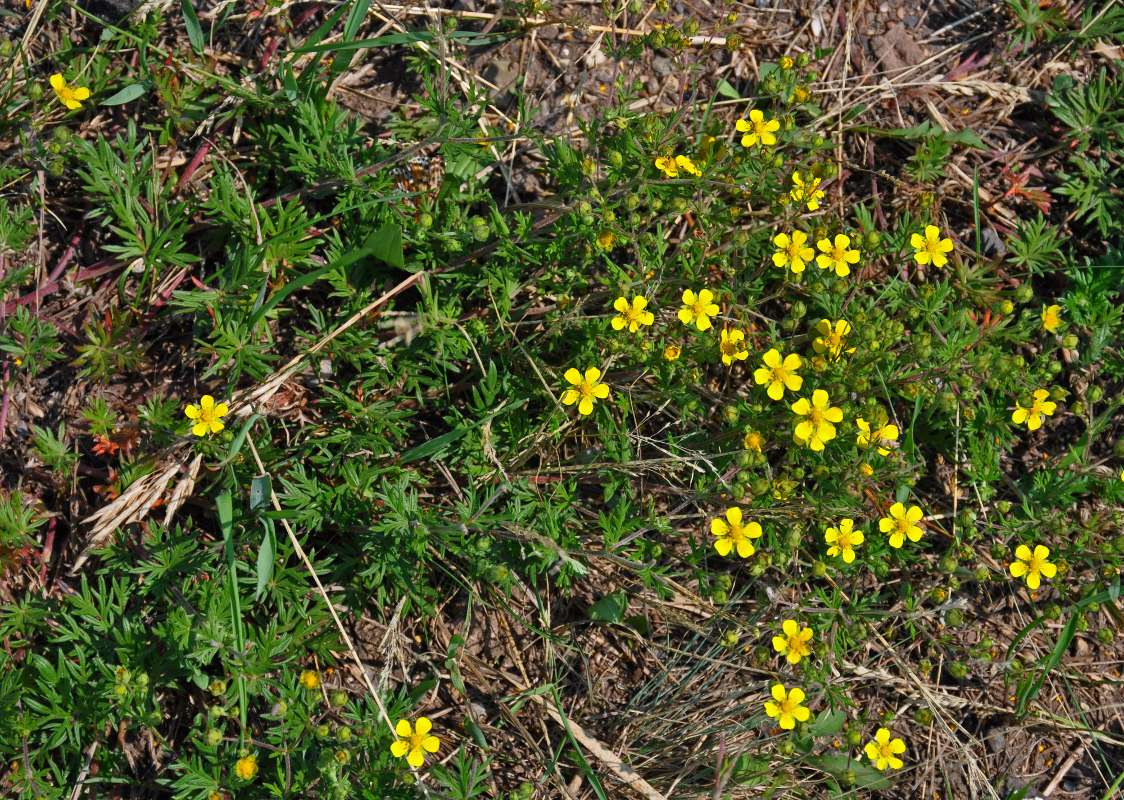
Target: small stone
662, 67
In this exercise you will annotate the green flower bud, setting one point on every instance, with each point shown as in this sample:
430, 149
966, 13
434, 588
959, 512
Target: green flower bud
213, 736
958, 670
853, 737
1094, 394
1105, 636
788, 747
1052, 612
344, 734
338, 697
1069, 341
1024, 294
614, 158
922, 716
953, 617
847, 777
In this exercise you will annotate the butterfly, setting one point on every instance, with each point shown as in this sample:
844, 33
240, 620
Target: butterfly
419, 177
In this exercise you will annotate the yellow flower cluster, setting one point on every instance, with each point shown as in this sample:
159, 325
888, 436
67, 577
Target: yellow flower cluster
673, 165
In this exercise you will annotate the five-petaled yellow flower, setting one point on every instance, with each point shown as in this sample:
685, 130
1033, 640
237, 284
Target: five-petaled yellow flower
793, 253
1032, 414
632, 315
809, 192
881, 437
414, 743
247, 767
207, 414
1033, 565
901, 523
70, 96
668, 165
310, 679
883, 751
586, 388
732, 534
931, 247
671, 352
778, 373
755, 441
832, 338
732, 346
795, 644
787, 709
819, 414
843, 540
687, 165
606, 239
698, 309
837, 256
757, 130
1051, 318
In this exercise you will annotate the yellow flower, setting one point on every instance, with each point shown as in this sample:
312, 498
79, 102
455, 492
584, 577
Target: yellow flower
606, 239
801, 94
792, 253
732, 533
587, 388
901, 523
794, 644
816, 427
732, 347
757, 130
668, 165
1051, 318
207, 414
671, 352
883, 751
787, 709
881, 437
755, 441
310, 679
1032, 414
786, 62
687, 165
837, 256
69, 95
1033, 565
832, 339
806, 192
633, 315
843, 540
779, 374
414, 743
247, 767
698, 309
866, 469
931, 247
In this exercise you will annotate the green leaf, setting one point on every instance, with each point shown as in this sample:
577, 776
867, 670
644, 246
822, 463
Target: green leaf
828, 723
128, 94
610, 608
433, 446
260, 492
1030, 691
726, 90
355, 19
267, 555
385, 244
194, 31
866, 776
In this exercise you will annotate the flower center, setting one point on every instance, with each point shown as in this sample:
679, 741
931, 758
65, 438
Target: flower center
932, 246
837, 254
815, 416
884, 750
794, 251
902, 524
416, 741
737, 532
779, 374
799, 646
787, 706
585, 388
729, 348
1035, 564
699, 308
